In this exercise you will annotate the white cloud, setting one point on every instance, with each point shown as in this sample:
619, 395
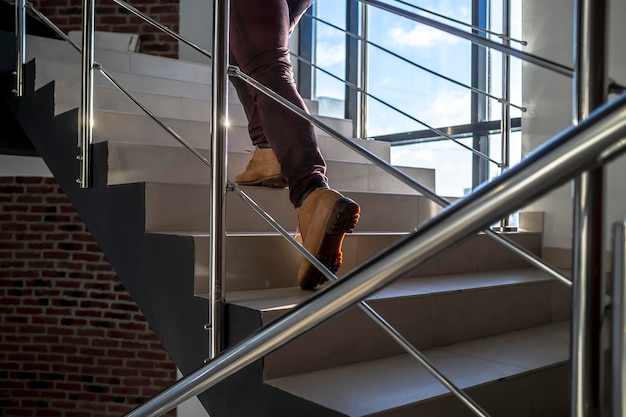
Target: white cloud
420, 36
328, 55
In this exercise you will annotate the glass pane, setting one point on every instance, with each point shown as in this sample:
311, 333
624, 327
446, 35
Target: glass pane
495, 60
452, 164
330, 56
415, 92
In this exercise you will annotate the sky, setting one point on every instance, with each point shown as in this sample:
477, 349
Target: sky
429, 100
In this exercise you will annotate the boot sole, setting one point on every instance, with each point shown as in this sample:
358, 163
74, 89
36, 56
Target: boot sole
342, 220
275, 181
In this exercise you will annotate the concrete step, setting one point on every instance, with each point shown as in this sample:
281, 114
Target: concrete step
271, 262
428, 311
69, 72
67, 97
118, 61
129, 162
141, 130
181, 207
522, 373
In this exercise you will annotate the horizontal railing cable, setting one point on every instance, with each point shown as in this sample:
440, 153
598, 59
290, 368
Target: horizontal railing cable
402, 112
460, 22
163, 28
534, 59
531, 258
366, 308
545, 169
396, 173
128, 94
414, 64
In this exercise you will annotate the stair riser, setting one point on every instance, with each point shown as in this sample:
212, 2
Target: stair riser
136, 129
426, 321
140, 64
132, 163
273, 253
107, 97
178, 208
58, 71
542, 393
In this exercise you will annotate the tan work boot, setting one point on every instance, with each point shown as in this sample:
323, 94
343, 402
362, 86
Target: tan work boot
325, 217
263, 169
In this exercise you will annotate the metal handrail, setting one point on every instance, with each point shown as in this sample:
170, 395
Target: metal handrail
548, 167
396, 173
503, 36
402, 112
534, 59
408, 61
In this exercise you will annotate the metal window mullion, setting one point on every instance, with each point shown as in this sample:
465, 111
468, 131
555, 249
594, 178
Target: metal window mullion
590, 87
478, 69
352, 65
306, 49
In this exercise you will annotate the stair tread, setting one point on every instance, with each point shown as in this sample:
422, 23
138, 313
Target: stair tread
286, 298
399, 381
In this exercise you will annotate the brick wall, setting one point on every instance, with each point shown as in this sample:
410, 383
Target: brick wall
109, 17
72, 341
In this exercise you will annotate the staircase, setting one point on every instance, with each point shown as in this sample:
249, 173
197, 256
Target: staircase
494, 327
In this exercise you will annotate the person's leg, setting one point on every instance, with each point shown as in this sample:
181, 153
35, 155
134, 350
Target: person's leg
263, 168
259, 34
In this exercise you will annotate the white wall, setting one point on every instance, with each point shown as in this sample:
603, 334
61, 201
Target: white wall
196, 25
548, 28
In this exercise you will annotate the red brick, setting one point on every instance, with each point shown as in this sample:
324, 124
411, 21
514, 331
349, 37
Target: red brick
86, 257
29, 199
40, 245
40, 190
13, 227
58, 236
57, 200
29, 180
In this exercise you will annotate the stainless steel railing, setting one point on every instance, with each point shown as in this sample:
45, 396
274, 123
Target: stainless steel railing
548, 167
572, 151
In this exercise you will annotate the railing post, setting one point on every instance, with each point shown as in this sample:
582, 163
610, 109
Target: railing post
505, 121
219, 146
590, 86
20, 43
86, 108
618, 345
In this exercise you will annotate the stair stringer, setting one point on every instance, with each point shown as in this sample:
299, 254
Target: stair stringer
162, 286
156, 269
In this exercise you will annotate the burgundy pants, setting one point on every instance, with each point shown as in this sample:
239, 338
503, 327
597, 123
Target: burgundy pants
259, 35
